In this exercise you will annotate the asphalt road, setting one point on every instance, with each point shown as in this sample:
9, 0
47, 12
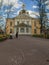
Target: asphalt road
25, 50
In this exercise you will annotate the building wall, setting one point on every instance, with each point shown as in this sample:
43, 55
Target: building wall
32, 26
35, 25
25, 21
31, 22
22, 21
38, 26
8, 27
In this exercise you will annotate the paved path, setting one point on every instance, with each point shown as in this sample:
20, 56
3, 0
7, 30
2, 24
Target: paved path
24, 51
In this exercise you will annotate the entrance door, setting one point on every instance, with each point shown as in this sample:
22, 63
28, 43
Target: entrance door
22, 30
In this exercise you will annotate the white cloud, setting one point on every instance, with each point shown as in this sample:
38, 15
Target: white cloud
18, 11
6, 10
9, 10
47, 14
46, 2
16, 3
35, 7
14, 13
0, 0
33, 13
47, 7
6, 2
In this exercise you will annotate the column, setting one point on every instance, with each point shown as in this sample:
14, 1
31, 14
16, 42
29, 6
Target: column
19, 30
14, 30
25, 30
29, 30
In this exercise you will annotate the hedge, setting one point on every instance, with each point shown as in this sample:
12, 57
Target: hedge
35, 35
48, 36
3, 37
41, 36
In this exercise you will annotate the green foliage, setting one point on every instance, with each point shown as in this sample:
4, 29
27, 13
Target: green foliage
7, 36
3, 37
40, 36
48, 36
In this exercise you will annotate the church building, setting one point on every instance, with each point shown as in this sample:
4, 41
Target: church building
24, 24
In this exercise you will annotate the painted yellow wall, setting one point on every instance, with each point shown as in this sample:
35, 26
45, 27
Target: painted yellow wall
8, 26
32, 26
37, 26
32, 20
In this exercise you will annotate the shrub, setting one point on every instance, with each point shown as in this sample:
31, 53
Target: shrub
48, 36
3, 37
35, 35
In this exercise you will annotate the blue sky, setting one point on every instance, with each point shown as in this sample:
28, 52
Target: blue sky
30, 6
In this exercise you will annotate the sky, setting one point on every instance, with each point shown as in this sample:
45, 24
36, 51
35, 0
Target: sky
30, 5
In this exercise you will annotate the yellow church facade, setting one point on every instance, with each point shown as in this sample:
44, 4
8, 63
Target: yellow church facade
23, 24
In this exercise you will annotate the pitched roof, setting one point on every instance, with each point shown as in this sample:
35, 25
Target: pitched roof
23, 16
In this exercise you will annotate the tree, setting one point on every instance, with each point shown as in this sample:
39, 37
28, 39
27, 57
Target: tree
42, 13
1, 2
10, 5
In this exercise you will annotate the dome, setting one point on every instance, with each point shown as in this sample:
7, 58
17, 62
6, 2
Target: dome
23, 11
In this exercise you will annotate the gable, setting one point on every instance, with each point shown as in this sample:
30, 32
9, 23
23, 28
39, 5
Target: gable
23, 16
22, 25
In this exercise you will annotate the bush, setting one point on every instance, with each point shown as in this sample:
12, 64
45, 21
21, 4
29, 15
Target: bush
7, 36
35, 35
48, 36
3, 37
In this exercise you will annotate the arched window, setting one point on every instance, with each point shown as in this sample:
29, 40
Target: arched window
22, 30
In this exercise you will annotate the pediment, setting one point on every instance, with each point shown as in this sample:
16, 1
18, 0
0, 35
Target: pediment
23, 16
23, 25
